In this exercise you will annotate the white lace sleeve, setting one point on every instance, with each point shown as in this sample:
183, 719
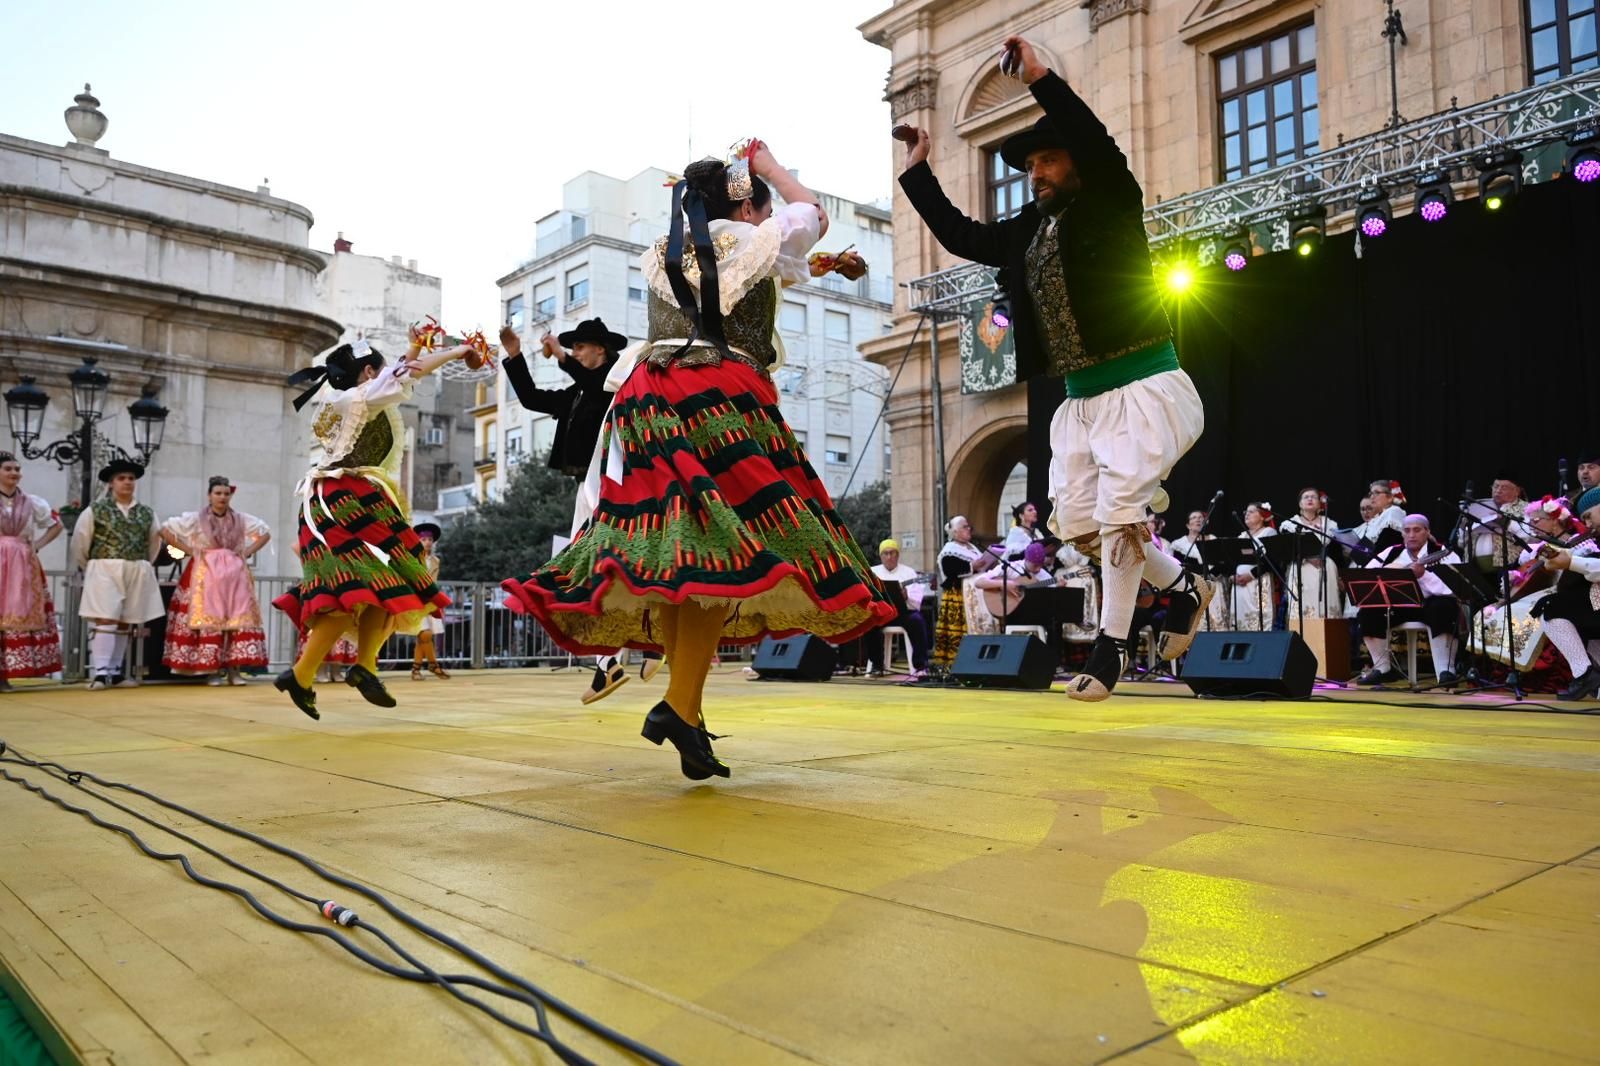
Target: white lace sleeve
799, 228
254, 527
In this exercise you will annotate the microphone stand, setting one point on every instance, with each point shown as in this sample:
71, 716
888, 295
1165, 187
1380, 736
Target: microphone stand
1261, 553
1513, 682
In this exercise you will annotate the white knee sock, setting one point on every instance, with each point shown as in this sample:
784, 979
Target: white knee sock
1564, 635
1120, 570
1443, 649
119, 653
1160, 569
102, 651
605, 662
1378, 648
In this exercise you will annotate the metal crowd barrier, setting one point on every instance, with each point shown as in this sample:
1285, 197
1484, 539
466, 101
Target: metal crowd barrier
480, 632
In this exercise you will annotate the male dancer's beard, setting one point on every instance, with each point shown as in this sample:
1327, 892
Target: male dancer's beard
1049, 199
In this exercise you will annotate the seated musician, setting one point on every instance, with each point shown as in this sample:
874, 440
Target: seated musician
890, 569
1417, 552
1491, 552
1570, 616
1187, 547
1383, 528
1005, 587
1588, 470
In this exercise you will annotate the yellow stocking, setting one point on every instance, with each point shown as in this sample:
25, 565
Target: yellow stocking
324, 633
373, 627
424, 649
699, 631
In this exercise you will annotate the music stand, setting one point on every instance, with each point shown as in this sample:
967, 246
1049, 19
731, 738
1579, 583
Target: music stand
1223, 558
1383, 589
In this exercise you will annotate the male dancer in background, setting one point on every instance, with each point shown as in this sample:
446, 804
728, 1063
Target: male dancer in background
579, 411
1088, 310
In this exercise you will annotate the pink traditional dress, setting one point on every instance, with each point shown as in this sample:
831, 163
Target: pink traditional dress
30, 644
214, 620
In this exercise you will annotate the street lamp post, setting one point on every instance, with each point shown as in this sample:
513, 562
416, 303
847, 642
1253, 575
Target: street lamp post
25, 406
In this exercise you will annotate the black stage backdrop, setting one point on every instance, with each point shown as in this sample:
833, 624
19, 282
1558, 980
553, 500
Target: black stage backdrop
1448, 351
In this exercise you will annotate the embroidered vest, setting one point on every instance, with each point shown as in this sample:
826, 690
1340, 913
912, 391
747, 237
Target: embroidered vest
372, 443
748, 326
121, 536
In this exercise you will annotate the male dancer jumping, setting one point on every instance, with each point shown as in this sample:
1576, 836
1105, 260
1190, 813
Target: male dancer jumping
1088, 310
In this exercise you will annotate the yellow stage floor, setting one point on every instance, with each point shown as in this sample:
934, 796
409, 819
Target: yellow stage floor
892, 875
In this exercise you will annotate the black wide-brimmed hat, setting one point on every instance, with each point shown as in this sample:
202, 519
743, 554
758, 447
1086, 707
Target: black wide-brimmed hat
121, 466
1014, 150
430, 528
593, 331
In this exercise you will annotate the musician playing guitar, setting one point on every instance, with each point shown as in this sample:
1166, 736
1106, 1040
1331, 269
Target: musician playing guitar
1417, 552
1570, 616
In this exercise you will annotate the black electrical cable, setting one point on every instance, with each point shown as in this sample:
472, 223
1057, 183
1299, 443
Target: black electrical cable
530, 995
1275, 697
566, 1054
318, 904
862, 453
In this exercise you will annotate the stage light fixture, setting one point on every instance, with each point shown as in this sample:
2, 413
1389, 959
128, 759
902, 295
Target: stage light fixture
1434, 195
1583, 155
1306, 229
1236, 251
1499, 178
1179, 277
1000, 313
1373, 213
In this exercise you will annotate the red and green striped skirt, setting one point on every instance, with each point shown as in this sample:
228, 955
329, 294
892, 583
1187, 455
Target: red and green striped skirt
340, 570
716, 502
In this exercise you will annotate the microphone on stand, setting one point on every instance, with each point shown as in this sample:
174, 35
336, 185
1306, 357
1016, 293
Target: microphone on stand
1561, 468
1212, 506
1467, 493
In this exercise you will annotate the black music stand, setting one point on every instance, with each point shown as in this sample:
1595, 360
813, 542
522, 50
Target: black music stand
1384, 589
1222, 558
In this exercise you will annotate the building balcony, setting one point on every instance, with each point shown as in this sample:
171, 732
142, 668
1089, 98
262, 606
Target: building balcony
485, 459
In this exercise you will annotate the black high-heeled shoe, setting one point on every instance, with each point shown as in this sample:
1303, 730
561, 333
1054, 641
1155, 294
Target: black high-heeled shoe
693, 742
304, 698
366, 682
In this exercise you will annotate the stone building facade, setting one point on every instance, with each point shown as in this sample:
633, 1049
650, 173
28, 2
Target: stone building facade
206, 291
1196, 92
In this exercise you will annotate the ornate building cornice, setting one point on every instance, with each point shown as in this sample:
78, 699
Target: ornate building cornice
920, 91
1103, 11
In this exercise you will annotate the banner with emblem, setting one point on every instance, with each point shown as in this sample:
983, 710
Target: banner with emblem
988, 357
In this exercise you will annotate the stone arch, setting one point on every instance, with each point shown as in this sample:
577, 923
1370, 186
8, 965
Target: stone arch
987, 89
979, 469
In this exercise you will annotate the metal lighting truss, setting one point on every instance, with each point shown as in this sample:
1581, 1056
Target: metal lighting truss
1395, 156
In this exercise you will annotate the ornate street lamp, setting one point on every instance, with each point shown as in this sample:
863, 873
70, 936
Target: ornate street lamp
149, 422
25, 405
89, 385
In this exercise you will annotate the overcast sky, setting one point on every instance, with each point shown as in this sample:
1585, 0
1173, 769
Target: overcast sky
441, 131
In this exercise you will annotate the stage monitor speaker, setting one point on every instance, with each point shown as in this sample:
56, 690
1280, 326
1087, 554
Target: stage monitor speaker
1250, 664
1014, 660
802, 658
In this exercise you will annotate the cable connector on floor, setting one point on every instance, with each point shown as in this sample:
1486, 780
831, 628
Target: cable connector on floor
335, 913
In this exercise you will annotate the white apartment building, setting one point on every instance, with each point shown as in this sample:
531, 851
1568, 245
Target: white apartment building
379, 299
583, 264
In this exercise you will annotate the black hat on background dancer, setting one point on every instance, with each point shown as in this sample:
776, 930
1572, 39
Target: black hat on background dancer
121, 466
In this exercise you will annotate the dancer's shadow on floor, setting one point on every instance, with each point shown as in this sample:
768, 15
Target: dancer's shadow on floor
1013, 955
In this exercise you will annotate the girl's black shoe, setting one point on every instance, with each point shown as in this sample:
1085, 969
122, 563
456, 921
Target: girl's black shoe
366, 682
693, 742
303, 698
